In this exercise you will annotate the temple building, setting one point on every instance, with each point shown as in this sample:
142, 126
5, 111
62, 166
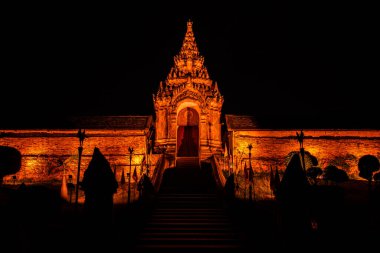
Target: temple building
188, 107
185, 131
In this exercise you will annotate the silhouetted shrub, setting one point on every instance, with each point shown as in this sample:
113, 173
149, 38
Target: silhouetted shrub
10, 161
313, 173
334, 174
367, 165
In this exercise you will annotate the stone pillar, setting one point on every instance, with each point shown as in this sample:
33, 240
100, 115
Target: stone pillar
161, 125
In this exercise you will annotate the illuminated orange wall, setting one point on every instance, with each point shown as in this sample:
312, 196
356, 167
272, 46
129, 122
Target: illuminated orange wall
47, 154
339, 147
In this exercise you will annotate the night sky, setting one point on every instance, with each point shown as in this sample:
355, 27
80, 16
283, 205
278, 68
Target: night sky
301, 65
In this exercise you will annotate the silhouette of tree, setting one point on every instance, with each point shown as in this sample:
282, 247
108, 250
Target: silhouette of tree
367, 165
294, 197
310, 160
334, 174
294, 183
313, 173
99, 185
10, 161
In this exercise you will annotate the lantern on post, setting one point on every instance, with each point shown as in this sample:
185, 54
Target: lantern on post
250, 171
130, 149
70, 187
81, 136
300, 138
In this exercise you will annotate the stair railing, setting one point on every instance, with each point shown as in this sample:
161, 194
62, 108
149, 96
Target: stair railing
217, 171
159, 172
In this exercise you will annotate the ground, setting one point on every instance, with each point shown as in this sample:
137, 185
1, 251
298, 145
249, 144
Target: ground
40, 221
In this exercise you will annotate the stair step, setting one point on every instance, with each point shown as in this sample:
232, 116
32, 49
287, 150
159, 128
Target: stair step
186, 240
188, 213
189, 200
187, 194
189, 234
187, 229
184, 197
189, 221
185, 190
185, 205
189, 246
189, 216
187, 162
190, 209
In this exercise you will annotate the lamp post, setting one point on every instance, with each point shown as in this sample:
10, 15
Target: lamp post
70, 186
300, 138
250, 154
130, 149
249, 172
81, 136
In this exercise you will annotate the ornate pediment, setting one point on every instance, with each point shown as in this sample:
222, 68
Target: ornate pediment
188, 94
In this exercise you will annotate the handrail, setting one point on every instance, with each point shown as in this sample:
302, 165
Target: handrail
217, 171
158, 172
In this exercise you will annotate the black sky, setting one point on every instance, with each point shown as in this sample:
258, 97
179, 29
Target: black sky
290, 65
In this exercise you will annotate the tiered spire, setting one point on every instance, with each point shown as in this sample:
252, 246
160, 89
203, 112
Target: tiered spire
188, 63
188, 77
189, 46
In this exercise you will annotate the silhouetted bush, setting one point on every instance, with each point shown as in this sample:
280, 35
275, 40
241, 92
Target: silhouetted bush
10, 161
313, 173
367, 165
334, 174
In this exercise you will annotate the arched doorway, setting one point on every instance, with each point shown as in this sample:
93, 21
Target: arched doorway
188, 133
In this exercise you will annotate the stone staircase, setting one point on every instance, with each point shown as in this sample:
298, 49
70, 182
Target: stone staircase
187, 162
188, 216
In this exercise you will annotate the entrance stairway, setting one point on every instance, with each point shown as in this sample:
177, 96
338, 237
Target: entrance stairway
188, 216
187, 162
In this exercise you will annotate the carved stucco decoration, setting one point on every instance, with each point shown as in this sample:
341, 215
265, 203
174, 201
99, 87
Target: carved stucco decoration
188, 84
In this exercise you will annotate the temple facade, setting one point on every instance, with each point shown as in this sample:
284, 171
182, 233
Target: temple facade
187, 128
188, 107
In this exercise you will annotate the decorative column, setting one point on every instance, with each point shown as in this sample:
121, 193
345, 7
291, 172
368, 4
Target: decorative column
81, 136
300, 138
130, 149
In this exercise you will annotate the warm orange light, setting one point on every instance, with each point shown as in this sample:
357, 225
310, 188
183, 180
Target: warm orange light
340, 147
